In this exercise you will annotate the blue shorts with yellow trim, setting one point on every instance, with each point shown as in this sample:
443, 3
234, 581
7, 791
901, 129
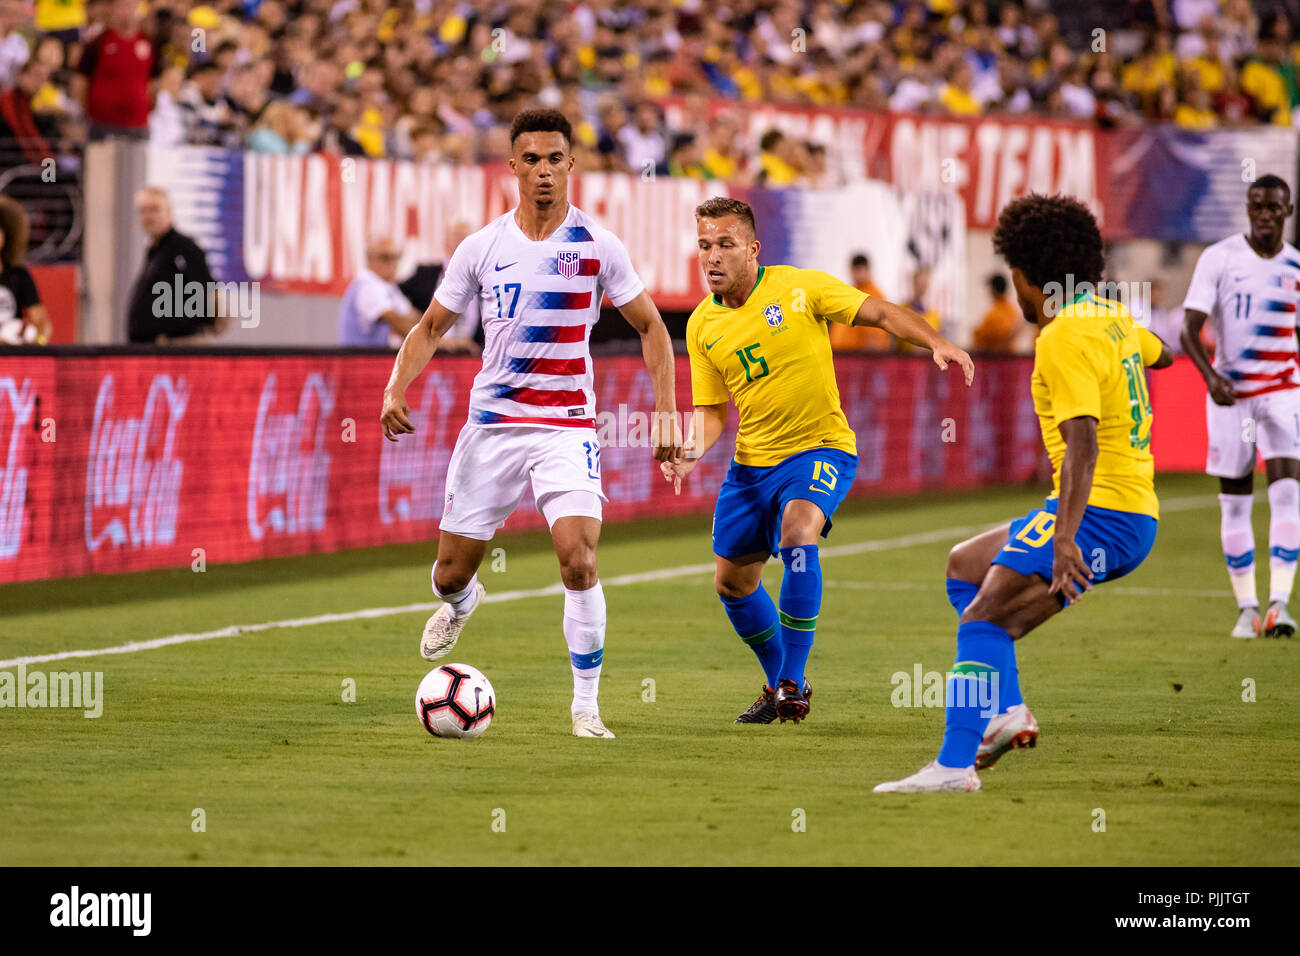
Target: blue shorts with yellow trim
1113, 542
747, 519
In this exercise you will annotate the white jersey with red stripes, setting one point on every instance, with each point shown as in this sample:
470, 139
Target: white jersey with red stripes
1251, 302
539, 300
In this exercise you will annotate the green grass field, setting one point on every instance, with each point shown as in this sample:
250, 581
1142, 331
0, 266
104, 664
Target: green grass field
253, 728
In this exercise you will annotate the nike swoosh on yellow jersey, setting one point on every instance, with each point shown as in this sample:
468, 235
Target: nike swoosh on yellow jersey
709, 345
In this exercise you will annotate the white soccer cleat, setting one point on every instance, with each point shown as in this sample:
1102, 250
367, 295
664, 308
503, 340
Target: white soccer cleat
1247, 623
1014, 730
443, 629
1277, 622
933, 778
587, 723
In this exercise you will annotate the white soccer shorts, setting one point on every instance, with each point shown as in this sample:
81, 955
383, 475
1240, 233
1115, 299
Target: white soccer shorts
1269, 422
492, 466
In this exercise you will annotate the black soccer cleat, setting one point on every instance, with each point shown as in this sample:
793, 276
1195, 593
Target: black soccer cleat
790, 702
763, 710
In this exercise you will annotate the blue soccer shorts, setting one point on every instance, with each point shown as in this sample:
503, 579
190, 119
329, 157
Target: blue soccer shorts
1113, 542
747, 518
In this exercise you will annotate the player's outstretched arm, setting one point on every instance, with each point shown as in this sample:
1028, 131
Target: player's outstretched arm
1220, 389
905, 324
417, 348
657, 349
706, 428
1071, 575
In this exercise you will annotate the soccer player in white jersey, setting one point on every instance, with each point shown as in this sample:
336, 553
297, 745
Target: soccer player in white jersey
538, 273
1247, 286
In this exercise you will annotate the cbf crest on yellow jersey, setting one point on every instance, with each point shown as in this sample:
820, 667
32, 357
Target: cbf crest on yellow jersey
772, 357
1089, 361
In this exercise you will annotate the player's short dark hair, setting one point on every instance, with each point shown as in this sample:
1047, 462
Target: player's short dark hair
541, 121
1050, 238
998, 283
720, 206
771, 139
1269, 181
860, 260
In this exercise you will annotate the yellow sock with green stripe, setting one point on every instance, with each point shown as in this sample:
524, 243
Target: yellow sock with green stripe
801, 602
754, 618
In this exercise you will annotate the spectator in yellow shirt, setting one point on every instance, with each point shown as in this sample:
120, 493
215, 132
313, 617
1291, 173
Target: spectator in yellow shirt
1196, 112
1151, 72
956, 95
719, 158
774, 161
859, 338
1206, 69
64, 19
1000, 328
1262, 81
684, 158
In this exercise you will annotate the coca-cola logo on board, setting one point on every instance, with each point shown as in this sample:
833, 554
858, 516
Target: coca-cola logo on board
133, 477
15, 413
412, 470
289, 469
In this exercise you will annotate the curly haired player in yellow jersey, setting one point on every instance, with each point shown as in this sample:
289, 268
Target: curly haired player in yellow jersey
1099, 523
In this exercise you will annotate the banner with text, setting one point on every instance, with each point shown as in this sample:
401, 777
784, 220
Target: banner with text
1155, 181
300, 223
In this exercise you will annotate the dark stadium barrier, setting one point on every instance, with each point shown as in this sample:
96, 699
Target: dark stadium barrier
120, 460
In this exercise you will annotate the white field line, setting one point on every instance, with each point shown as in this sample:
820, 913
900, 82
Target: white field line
1107, 589
663, 574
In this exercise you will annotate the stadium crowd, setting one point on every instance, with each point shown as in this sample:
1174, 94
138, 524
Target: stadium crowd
440, 79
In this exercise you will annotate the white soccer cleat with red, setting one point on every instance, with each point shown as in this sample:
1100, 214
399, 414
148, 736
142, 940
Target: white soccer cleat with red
1014, 730
933, 778
443, 629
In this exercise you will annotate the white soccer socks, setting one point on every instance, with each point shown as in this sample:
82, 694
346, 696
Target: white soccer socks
1239, 547
462, 602
1283, 537
584, 632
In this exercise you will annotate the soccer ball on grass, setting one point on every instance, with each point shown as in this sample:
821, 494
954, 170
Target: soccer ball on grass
455, 700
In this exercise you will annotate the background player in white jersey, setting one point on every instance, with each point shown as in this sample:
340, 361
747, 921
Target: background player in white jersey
1247, 286
538, 272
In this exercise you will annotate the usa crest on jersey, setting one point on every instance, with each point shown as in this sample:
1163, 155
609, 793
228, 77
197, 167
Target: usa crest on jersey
568, 263
774, 314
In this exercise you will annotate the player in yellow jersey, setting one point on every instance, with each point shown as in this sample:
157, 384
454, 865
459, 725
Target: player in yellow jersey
1089, 390
761, 341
